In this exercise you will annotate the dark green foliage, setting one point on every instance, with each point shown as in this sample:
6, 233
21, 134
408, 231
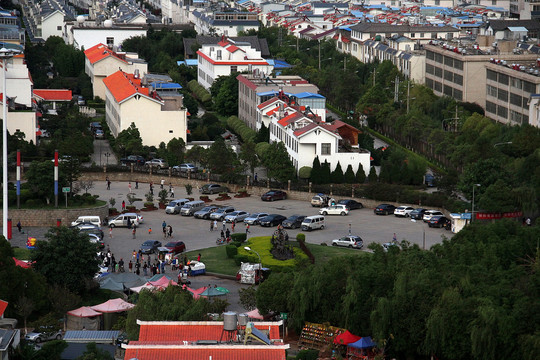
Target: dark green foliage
190, 103
231, 251
263, 135
222, 159
316, 171
372, 177
200, 92
239, 237
278, 165
128, 141
360, 174
301, 237
348, 177
239, 127
224, 92
304, 172
92, 352
307, 355
325, 173
337, 175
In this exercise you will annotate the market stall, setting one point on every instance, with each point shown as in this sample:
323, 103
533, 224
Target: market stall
318, 336
83, 318
361, 349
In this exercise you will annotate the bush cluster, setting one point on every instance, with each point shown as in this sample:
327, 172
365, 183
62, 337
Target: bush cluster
200, 92
239, 127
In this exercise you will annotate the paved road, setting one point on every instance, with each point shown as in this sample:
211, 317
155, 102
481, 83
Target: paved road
101, 150
196, 234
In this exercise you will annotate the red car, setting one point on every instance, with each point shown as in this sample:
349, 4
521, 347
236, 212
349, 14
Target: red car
176, 246
274, 195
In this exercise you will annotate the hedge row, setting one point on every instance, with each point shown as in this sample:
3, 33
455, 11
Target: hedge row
261, 148
200, 92
240, 128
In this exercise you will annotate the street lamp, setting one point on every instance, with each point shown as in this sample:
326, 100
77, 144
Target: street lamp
247, 248
5, 55
423, 235
107, 154
473, 188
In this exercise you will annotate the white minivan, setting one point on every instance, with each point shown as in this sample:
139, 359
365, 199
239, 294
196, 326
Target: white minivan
175, 206
122, 220
91, 219
313, 223
191, 207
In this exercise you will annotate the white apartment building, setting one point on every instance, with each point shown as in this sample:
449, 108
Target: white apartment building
227, 57
159, 117
89, 33
101, 61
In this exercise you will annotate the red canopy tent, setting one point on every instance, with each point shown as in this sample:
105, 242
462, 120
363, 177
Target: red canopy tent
83, 318
21, 263
346, 338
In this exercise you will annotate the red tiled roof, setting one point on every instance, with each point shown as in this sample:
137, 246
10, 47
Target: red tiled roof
305, 129
123, 85
271, 112
337, 124
192, 330
233, 48
99, 52
267, 102
219, 352
223, 43
290, 119
53, 94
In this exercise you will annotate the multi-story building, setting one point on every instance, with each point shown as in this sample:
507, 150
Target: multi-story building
101, 61
421, 34
11, 32
227, 57
159, 116
509, 89
254, 89
190, 44
87, 33
224, 23
460, 72
44, 19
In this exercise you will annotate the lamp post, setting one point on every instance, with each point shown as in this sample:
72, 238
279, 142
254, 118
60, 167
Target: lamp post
423, 235
107, 154
247, 248
473, 188
5, 55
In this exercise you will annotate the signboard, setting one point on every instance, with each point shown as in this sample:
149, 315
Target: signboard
491, 216
65, 189
284, 316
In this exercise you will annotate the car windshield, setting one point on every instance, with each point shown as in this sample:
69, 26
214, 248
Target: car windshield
171, 244
148, 243
172, 203
208, 208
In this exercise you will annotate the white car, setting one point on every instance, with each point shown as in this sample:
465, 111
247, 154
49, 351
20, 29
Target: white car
404, 211
350, 241
43, 334
254, 218
431, 213
157, 163
236, 216
335, 210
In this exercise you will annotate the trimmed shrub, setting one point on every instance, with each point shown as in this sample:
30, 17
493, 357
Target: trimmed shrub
231, 251
304, 172
240, 258
200, 92
236, 243
262, 245
239, 127
301, 237
261, 148
239, 237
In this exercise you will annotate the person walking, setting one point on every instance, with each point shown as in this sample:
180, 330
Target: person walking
110, 232
215, 225
172, 192
149, 231
233, 225
136, 184
394, 238
19, 226
129, 187
164, 226
170, 231
123, 205
134, 232
134, 255
108, 184
224, 225
129, 223
211, 226
130, 266
247, 229
227, 233
162, 183
145, 269
255, 178
199, 257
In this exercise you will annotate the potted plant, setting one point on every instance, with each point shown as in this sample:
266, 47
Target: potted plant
149, 206
162, 195
242, 193
189, 189
205, 198
223, 196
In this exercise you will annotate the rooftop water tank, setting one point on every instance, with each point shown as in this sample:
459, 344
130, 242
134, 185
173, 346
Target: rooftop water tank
243, 319
229, 321
108, 23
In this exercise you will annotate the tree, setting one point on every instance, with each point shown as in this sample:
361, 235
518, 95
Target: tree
337, 175
249, 155
277, 162
176, 147
222, 159
66, 249
372, 177
263, 135
40, 178
498, 197
304, 172
348, 177
325, 173
316, 171
224, 90
129, 141
360, 174
94, 353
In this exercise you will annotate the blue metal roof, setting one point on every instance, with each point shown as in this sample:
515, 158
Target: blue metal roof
188, 62
308, 95
168, 86
272, 92
279, 64
91, 336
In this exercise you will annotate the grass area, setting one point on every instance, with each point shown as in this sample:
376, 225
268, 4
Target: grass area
216, 260
22, 253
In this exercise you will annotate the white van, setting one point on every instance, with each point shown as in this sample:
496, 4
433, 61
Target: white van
92, 219
175, 206
121, 220
191, 207
313, 223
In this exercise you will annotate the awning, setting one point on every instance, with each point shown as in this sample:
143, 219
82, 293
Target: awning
112, 306
83, 312
346, 338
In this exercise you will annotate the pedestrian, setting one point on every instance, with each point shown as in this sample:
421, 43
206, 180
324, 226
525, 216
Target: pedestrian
222, 234
528, 221
129, 187
211, 226
128, 223
256, 177
136, 184
121, 265
224, 225
138, 269
149, 231
134, 232
108, 184
19, 226
227, 233
172, 192
199, 257
163, 267
162, 183
215, 225
247, 229
164, 226
145, 269
138, 258
130, 266
394, 238
123, 205
170, 231
134, 255
233, 225
113, 263
110, 231
170, 187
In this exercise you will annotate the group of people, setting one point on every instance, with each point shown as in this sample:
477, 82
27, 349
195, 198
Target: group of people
214, 227
167, 230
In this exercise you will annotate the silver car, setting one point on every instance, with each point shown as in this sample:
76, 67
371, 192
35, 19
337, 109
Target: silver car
43, 334
254, 218
236, 216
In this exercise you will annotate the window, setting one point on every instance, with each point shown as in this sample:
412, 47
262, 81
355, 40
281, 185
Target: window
503, 79
493, 2
430, 55
491, 75
413, 35
355, 47
447, 90
110, 41
437, 86
515, 116
491, 90
515, 99
325, 149
439, 58
218, 55
502, 111
491, 107
430, 69
448, 61
448, 75
429, 83
502, 95
234, 68
59, 28
517, 83
458, 94
458, 64
529, 87
438, 72
458, 79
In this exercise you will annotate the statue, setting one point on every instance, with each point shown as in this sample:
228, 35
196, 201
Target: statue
281, 250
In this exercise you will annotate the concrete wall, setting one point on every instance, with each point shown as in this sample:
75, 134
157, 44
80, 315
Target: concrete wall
48, 217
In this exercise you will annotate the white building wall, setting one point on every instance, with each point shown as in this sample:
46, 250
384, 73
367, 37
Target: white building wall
88, 37
52, 25
18, 82
23, 121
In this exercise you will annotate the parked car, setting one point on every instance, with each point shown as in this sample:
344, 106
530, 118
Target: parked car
320, 200
90, 229
293, 222
80, 100
272, 220
185, 168
157, 163
43, 333
137, 160
403, 211
351, 204
92, 219
236, 216
95, 239
213, 189
384, 209
175, 206
99, 134
335, 210
350, 241
430, 213
386, 246
255, 218
220, 213
122, 220
205, 212
176, 246
439, 221
417, 214
274, 195
150, 246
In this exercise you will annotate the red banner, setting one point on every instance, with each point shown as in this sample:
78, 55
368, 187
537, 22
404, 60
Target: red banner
490, 216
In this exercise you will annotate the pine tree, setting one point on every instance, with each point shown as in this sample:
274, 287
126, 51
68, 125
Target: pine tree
349, 178
325, 173
337, 175
316, 171
360, 174
372, 177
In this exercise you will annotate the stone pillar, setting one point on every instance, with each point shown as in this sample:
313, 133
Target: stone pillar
331, 189
309, 187
208, 176
352, 191
170, 171
131, 166
189, 174
247, 181
267, 183
289, 185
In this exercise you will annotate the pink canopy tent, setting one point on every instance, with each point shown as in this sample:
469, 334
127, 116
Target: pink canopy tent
148, 286
21, 263
255, 314
112, 306
83, 312
163, 282
197, 293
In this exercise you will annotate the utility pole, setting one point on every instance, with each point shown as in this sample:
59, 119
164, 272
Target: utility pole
319, 54
408, 94
345, 63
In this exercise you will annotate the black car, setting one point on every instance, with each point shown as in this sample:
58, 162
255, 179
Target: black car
150, 246
274, 195
439, 221
384, 209
132, 159
351, 204
417, 214
272, 220
293, 222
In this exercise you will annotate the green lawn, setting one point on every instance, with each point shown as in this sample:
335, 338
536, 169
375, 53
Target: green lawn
22, 253
216, 261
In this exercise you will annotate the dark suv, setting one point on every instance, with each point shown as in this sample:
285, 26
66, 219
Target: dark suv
293, 222
384, 209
